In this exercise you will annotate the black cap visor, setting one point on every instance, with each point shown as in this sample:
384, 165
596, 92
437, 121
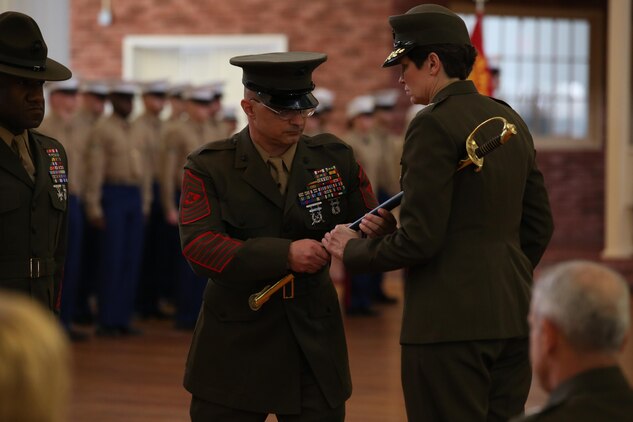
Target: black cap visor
159, 94
289, 101
98, 95
400, 49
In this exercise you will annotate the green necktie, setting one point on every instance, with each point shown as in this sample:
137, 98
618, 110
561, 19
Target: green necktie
278, 171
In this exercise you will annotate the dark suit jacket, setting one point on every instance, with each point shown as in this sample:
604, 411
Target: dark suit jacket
33, 220
596, 395
470, 240
236, 229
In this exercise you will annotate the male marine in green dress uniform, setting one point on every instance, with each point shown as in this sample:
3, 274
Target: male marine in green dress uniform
33, 167
254, 208
470, 240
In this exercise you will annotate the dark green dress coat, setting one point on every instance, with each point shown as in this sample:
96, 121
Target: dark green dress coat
236, 229
601, 394
33, 220
469, 241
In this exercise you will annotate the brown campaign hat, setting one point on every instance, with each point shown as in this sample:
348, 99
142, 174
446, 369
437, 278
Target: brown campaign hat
282, 80
23, 51
426, 24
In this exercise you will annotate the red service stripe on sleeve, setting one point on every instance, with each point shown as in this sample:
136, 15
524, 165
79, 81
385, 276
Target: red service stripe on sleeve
194, 202
211, 250
365, 189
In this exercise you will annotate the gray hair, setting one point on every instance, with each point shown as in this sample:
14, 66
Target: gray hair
587, 301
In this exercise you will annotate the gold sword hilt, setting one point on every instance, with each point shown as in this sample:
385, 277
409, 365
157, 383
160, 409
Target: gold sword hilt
477, 153
256, 300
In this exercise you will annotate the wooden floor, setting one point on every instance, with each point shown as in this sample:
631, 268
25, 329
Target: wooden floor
140, 379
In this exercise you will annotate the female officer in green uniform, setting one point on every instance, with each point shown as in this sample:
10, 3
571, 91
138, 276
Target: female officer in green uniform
470, 240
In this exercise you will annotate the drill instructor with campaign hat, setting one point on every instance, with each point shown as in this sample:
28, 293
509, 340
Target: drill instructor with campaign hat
254, 208
33, 167
469, 240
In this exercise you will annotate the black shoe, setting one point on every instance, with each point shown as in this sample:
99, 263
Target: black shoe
130, 331
362, 311
105, 331
76, 336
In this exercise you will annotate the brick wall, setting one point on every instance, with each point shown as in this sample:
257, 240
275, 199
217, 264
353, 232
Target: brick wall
575, 181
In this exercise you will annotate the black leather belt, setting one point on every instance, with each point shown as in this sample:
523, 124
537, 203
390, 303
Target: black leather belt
28, 268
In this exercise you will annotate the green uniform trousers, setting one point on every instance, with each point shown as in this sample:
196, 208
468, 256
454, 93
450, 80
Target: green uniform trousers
474, 381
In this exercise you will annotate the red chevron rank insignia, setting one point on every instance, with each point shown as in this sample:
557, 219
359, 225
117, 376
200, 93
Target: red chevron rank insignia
194, 204
191, 198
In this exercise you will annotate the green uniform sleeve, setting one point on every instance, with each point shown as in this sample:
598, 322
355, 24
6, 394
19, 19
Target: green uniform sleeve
209, 250
431, 167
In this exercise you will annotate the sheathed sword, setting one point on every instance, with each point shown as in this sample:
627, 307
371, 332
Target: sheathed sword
475, 156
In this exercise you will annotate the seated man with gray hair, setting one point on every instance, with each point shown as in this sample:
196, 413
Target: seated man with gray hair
578, 322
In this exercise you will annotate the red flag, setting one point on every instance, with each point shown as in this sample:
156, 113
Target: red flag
480, 75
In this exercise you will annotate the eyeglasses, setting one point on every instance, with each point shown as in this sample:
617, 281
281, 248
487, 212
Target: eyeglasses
286, 113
